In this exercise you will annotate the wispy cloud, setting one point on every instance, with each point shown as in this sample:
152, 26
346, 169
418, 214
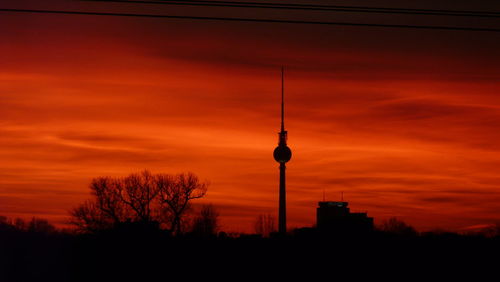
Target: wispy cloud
403, 128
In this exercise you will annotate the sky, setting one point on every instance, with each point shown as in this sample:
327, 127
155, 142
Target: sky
406, 123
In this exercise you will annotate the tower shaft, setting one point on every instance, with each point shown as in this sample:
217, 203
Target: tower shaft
282, 203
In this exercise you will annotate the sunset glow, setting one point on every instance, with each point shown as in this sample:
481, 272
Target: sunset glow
404, 123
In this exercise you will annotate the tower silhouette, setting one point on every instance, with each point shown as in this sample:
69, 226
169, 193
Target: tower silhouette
282, 154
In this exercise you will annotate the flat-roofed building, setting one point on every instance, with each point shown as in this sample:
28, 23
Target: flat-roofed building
337, 217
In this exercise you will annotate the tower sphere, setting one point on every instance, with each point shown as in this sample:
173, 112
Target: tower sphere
282, 154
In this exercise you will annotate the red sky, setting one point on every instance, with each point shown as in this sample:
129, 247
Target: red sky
405, 122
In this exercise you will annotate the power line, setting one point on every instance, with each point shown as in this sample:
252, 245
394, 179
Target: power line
327, 6
194, 2
323, 8
251, 20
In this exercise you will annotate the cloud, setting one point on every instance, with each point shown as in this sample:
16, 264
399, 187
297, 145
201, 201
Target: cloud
404, 123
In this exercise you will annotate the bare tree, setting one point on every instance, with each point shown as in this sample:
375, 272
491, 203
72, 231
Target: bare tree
175, 194
151, 199
206, 223
265, 225
138, 192
106, 192
88, 217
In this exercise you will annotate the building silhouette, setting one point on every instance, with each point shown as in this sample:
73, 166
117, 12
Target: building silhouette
336, 217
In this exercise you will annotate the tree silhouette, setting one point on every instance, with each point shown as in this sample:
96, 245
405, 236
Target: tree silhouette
88, 217
138, 192
40, 225
19, 224
398, 227
35, 225
206, 223
6, 224
175, 196
265, 225
491, 231
145, 198
106, 192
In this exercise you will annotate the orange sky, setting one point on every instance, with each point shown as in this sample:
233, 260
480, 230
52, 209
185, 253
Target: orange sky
405, 122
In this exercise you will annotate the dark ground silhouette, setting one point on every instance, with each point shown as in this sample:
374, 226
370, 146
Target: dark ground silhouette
139, 251
124, 233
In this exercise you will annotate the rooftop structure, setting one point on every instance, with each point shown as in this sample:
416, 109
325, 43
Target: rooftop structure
337, 217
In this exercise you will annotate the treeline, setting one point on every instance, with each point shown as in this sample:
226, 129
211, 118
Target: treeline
148, 202
35, 225
205, 223
145, 224
36, 251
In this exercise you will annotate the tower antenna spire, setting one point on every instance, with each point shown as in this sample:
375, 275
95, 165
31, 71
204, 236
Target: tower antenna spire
282, 99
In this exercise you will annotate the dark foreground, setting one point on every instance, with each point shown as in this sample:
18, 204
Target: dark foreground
155, 256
